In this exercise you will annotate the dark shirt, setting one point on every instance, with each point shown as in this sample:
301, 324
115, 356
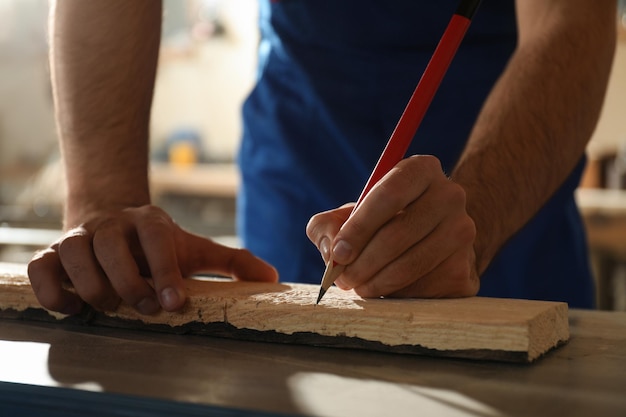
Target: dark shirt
334, 77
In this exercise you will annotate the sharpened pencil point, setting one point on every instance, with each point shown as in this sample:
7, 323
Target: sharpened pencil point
319, 297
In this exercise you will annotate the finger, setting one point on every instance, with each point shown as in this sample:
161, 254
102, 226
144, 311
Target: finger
396, 190
46, 276
111, 248
155, 231
408, 227
239, 264
453, 278
323, 227
454, 236
82, 268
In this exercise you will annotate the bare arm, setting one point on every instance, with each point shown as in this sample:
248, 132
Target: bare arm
536, 123
104, 55
418, 234
103, 59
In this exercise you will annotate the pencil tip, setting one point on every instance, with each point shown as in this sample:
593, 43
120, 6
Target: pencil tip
321, 294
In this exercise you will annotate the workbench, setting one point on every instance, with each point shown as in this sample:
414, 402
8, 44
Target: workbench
53, 369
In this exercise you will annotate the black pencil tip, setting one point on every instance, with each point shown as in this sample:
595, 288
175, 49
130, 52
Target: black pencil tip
319, 297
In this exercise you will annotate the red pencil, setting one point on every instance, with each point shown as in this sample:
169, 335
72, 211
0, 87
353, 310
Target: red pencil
413, 114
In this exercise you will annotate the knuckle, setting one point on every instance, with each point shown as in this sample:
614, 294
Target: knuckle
72, 243
393, 193
466, 231
38, 263
106, 233
424, 164
313, 226
109, 225
328, 222
431, 162
459, 276
151, 214
456, 194
450, 195
150, 209
154, 224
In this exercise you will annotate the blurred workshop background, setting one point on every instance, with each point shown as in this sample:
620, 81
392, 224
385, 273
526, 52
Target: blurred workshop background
206, 68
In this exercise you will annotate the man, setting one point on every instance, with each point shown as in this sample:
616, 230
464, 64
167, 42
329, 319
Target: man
509, 126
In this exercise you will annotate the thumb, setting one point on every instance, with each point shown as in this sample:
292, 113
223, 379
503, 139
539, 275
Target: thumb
205, 255
323, 227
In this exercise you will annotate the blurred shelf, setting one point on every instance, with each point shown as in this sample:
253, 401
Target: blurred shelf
203, 180
20, 236
604, 213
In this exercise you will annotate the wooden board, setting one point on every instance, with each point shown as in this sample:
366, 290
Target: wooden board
477, 328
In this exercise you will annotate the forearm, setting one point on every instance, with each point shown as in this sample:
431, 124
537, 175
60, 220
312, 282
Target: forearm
103, 63
536, 123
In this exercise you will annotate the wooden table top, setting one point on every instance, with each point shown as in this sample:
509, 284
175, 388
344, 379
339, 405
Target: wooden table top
108, 369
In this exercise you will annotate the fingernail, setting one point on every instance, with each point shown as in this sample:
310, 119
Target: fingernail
342, 251
325, 248
170, 299
148, 306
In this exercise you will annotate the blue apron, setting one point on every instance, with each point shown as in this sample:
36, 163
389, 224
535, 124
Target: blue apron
333, 78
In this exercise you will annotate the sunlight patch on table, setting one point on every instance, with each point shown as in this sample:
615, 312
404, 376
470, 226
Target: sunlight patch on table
331, 395
27, 363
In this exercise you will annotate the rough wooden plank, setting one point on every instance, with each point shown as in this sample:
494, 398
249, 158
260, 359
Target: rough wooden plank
482, 328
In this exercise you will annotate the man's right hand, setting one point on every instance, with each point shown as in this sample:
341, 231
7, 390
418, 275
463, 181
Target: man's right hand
138, 255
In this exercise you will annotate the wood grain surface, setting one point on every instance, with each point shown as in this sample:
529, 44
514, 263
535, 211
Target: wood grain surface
477, 328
